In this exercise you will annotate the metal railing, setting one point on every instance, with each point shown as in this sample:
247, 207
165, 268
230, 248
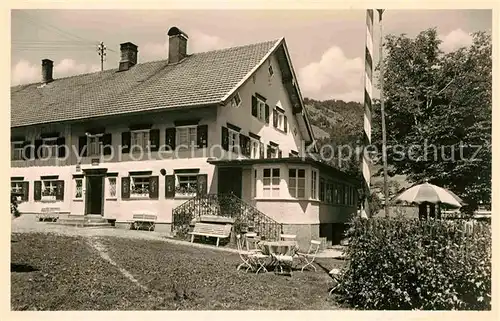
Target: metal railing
247, 217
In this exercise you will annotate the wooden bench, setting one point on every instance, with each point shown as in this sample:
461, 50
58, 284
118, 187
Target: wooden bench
211, 230
143, 220
49, 213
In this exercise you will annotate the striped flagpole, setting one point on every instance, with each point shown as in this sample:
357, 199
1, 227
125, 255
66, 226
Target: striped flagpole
368, 106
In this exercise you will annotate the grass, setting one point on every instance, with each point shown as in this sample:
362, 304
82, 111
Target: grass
52, 272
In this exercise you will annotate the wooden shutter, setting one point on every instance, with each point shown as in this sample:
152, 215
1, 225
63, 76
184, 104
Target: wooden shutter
106, 144
225, 138
61, 148
170, 138
125, 187
202, 136
202, 184
153, 187
262, 151
37, 190
267, 114
38, 144
169, 186
82, 146
26, 188
126, 142
28, 150
285, 123
254, 106
154, 140
60, 190
275, 118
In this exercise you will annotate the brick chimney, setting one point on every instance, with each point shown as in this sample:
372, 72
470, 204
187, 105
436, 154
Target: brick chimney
177, 45
128, 56
47, 67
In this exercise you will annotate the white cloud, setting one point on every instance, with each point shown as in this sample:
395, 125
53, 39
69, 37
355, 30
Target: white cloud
197, 42
455, 40
25, 72
334, 76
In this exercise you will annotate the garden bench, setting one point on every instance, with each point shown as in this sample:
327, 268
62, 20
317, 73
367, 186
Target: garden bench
49, 213
211, 230
143, 220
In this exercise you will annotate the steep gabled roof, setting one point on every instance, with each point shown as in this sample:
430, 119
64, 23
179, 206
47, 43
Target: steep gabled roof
200, 79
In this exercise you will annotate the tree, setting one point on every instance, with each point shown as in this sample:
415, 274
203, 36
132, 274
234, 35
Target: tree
438, 113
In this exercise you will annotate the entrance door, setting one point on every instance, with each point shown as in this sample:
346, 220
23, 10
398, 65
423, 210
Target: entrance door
229, 180
94, 195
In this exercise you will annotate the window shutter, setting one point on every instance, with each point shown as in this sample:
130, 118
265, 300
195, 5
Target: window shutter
153, 187
61, 148
267, 114
285, 123
126, 143
27, 150
38, 144
38, 190
254, 106
202, 184
280, 153
125, 187
82, 146
106, 144
261, 150
170, 138
154, 140
60, 190
275, 118
26, 188
225, 138
169, 186
202, 136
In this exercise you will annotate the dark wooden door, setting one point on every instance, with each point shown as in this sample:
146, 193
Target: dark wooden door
94, 195
229, 181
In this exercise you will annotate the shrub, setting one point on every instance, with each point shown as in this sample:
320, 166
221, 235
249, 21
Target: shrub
398, 263
13, 206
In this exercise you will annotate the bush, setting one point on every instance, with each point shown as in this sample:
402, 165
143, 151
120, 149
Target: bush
13, 206
398, 263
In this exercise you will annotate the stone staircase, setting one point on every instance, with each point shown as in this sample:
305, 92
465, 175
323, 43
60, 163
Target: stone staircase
90, 220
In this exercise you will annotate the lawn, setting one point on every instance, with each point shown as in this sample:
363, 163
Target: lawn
51, 272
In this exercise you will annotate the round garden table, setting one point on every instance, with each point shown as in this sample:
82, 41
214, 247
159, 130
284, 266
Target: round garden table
288, 248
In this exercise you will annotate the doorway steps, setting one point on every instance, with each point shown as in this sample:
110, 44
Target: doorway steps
85, 221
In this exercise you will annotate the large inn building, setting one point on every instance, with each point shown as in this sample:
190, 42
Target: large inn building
147, 137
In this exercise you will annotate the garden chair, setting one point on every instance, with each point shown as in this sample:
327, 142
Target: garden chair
310, 255
251, 259
251, 242
334, 273
288, 237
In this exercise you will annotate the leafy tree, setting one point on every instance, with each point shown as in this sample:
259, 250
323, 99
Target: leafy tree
438, 113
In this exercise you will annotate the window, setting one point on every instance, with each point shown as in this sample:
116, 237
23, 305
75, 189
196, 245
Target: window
328, 192
272, 151
271, 182
254, 183
314, 180
139, 139
17, 150
280, 120
297, 182
111, 190
186, 136
49, 190
94, 144
270, 70
78, 188
233, 140
261, 109
236, 101
50, 147
187, 185
322, 189
18, 188
254, 148
139, 186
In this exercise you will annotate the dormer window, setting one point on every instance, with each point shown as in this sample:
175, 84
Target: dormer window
236, 101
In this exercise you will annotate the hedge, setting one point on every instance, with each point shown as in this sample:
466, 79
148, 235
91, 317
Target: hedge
406, 264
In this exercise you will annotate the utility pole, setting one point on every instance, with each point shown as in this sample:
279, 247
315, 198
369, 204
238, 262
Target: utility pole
101, 49
382, 114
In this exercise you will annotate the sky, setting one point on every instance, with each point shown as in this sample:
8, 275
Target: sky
326, 46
